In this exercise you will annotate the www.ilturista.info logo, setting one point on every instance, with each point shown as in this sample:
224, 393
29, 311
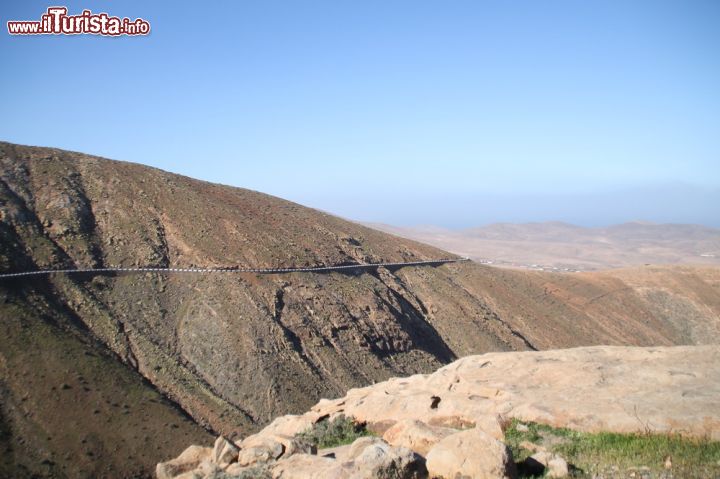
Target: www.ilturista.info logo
57, 22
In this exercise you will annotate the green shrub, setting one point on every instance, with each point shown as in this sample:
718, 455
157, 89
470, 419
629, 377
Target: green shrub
337, 432
257, 472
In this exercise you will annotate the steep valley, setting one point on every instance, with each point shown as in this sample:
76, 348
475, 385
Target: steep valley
92, 364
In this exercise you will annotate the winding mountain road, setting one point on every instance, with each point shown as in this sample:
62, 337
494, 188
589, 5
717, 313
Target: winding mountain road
311, 269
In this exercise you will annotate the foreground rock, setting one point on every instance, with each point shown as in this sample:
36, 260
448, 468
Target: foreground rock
367, 457
591, 389
544, 462
471, 453
189, 460
416, 435
448, 424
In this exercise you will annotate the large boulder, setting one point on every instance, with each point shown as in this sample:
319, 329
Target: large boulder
416, 435
382, 461
352, 451
262, 448
472, 453
305, 466
189, 460
366, 458
224, 452
490, 424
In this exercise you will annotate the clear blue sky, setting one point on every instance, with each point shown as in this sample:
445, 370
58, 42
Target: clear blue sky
450, 113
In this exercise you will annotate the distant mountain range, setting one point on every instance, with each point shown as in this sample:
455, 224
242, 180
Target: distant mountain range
562, 246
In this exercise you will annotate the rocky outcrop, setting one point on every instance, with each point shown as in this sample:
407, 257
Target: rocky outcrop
449, 424
191, 459
471, 453
601, 388
416, 435
366, 458
224, 452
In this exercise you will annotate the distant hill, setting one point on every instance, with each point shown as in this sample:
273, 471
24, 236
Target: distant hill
106, 375
556, 245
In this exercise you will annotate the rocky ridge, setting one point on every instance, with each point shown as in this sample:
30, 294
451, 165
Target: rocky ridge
450, 423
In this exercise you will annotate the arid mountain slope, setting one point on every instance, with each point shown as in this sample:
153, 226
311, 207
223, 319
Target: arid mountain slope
235, 350
636, 306
69, 407
562, 246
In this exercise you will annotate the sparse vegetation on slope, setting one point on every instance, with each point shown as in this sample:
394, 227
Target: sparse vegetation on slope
69, 408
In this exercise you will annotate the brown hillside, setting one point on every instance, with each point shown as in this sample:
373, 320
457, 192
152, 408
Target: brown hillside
235, 350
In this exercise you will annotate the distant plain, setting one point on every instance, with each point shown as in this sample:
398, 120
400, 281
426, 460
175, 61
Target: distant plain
557, 246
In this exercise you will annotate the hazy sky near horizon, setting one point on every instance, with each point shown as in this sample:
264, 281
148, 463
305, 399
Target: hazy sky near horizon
450, 113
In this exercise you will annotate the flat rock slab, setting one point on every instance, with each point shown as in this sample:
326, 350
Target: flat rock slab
448, 423
601, 388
